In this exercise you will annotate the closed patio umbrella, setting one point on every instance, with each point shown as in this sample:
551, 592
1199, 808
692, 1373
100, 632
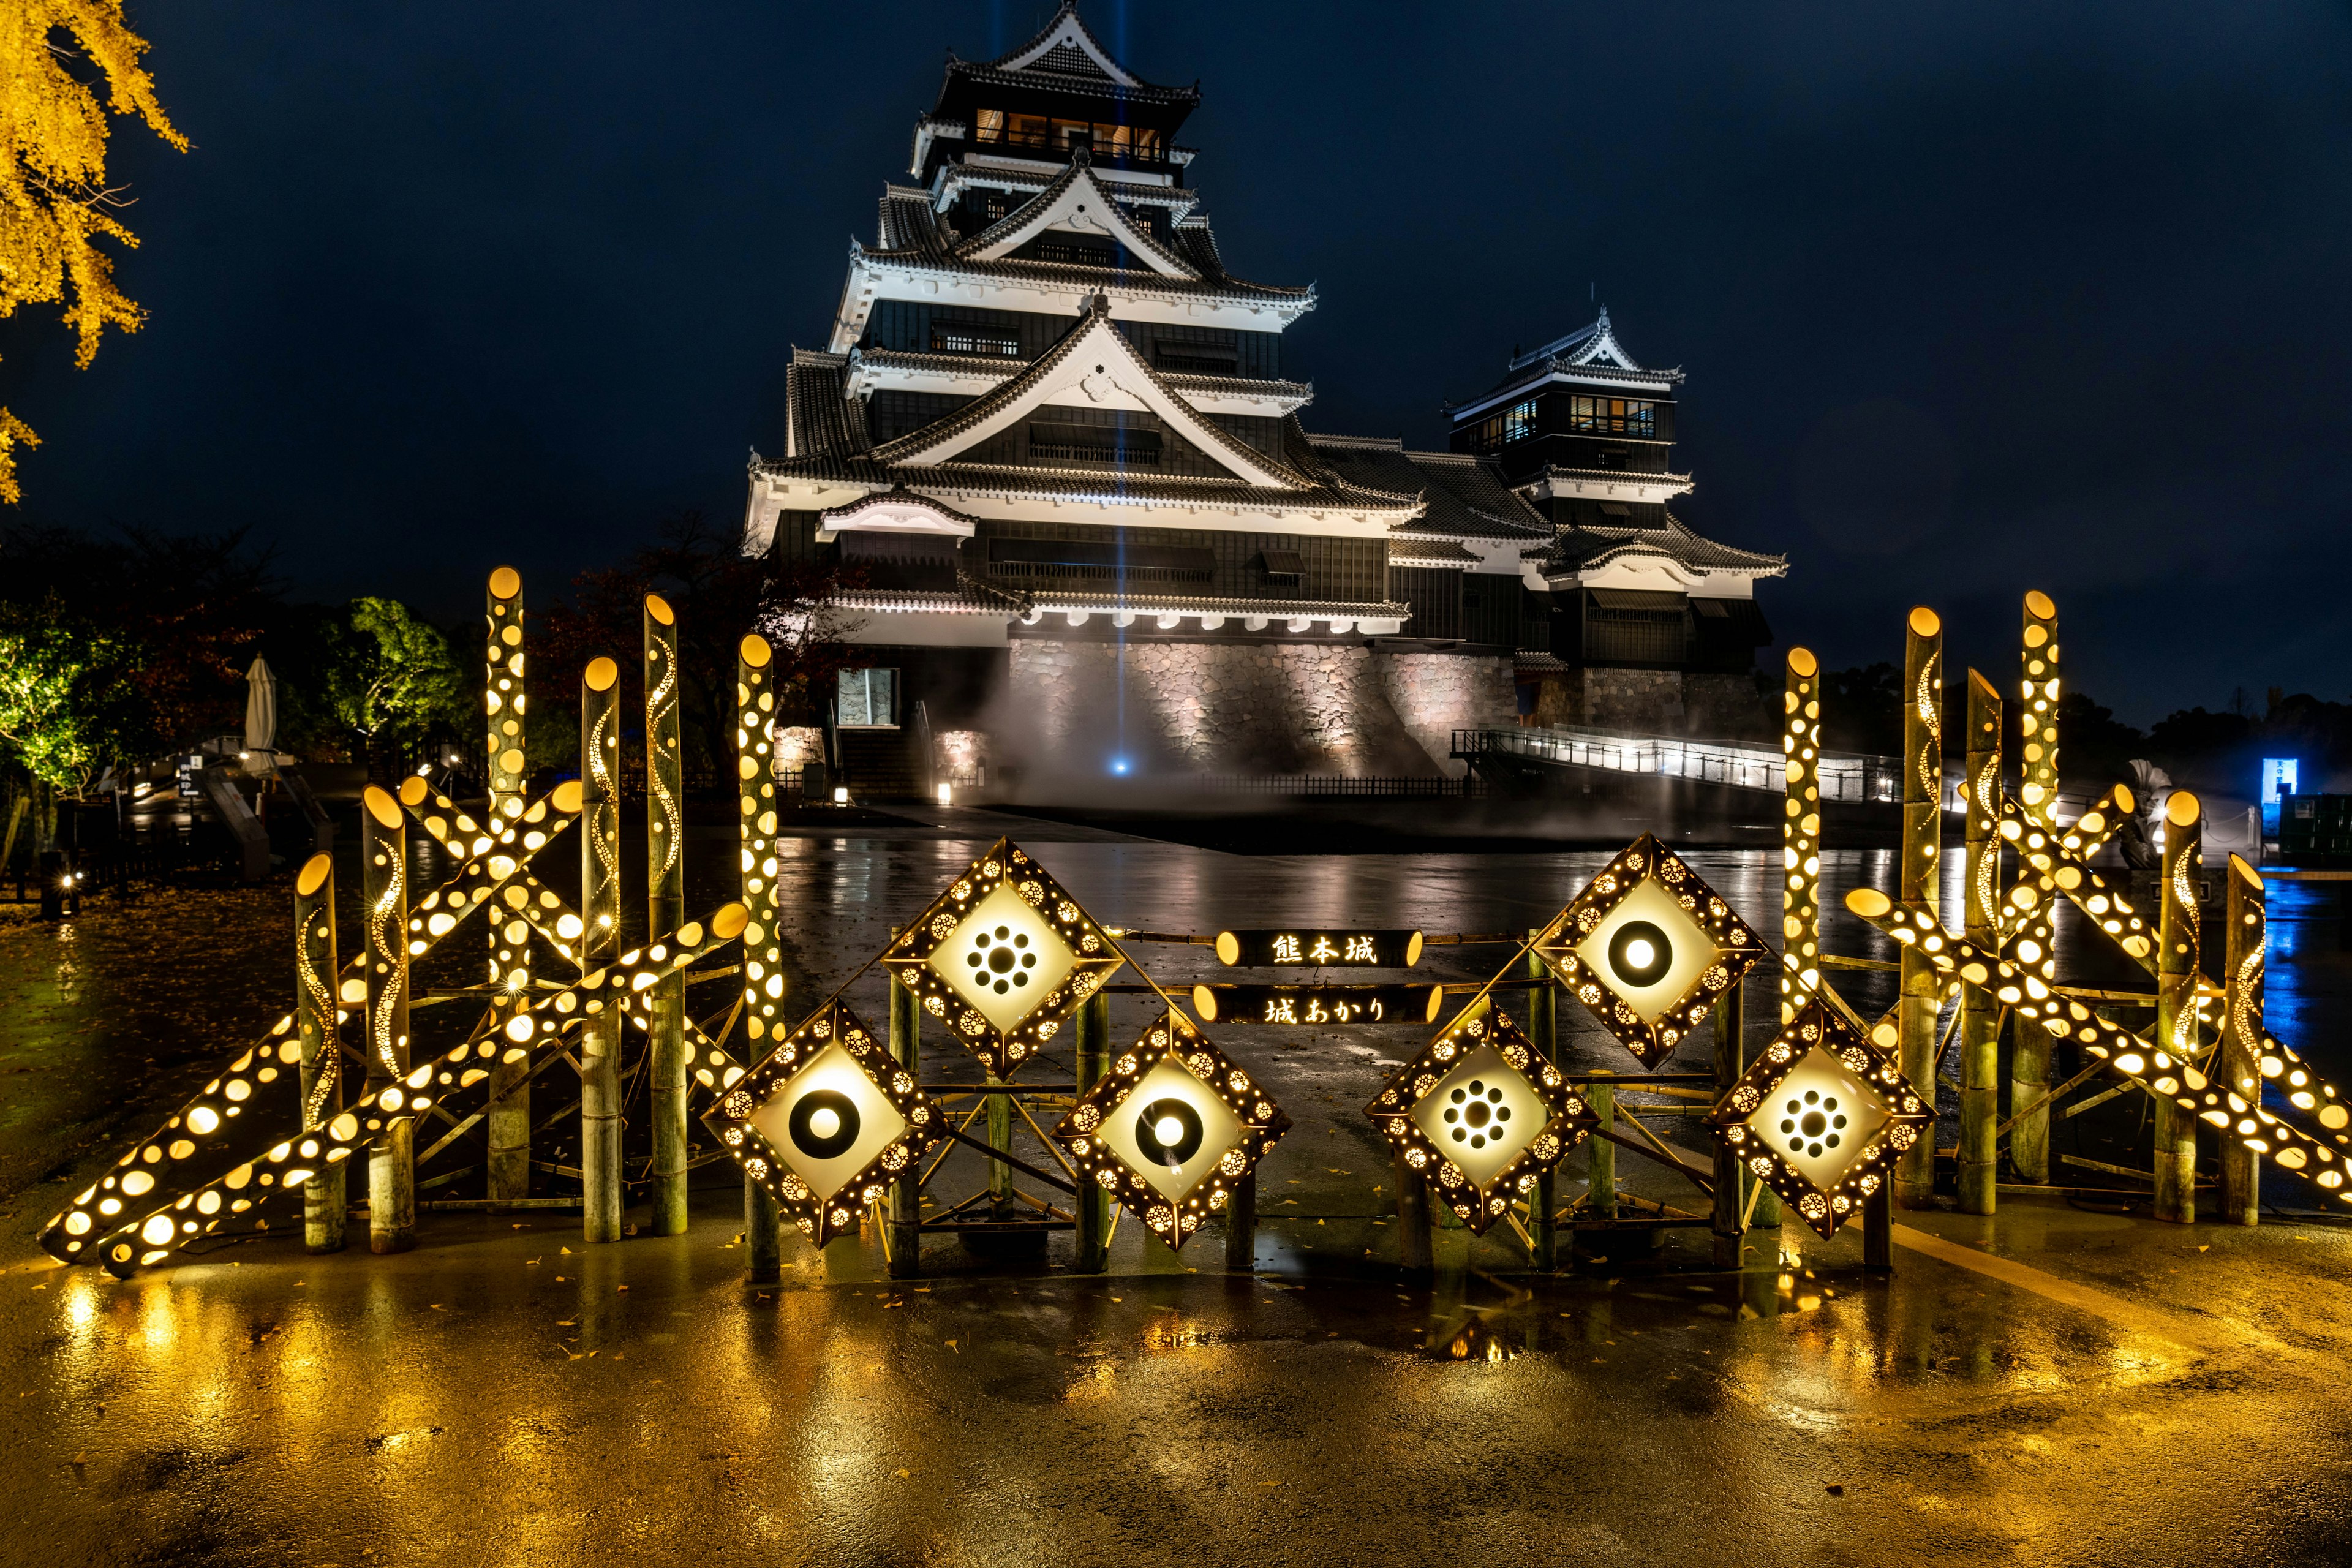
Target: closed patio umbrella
261, 716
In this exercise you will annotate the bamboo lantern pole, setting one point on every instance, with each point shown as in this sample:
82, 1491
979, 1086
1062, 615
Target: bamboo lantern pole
1543, 1033
2239, 1063
665, 911
392, 1158
763, 977
1092, 1203
2037, 728
2176, 1002
600, 941
1415, 1251
906, 1192
1800, 835
1919, 881
508, 1118
316, 1014
1980, 1022
1729, 1217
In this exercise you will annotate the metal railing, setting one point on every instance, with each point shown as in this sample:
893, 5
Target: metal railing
1737, 764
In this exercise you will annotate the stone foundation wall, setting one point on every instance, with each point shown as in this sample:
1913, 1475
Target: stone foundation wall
1248, 708
1649, 701
1730, 707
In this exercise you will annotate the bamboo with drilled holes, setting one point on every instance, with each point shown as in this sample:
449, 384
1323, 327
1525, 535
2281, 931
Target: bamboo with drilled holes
508, 1120
665, 911
1543, 1034
2037, 728
1918, 882
1979, 1021
2238, 1066
318, 1036
1800, 835
392, 1156
2177, 965
601, 1035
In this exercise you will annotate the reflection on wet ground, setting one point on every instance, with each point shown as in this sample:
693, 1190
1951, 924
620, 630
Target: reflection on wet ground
2051, 1384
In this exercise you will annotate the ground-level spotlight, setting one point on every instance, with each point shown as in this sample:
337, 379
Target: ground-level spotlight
840, 794
947, 795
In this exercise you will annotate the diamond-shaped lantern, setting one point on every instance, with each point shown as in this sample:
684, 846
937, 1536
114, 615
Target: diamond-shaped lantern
1002, 957
1649, 948
1822, 1115
825, 1120
1171, 1127
1481, 1114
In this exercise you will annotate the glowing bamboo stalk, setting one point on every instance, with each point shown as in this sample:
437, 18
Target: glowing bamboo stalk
2032, 915
1917, 882
666, 907
509, 1119
601, 1038
2176, 1002
2238, 1068
316, 1013
763, 977
391, 1157
1980, 1022
1800, 835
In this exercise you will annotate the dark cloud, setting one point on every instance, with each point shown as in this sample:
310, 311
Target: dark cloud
442, 285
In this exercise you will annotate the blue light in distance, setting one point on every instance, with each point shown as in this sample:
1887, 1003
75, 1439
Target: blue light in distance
1119, 765
2279, 778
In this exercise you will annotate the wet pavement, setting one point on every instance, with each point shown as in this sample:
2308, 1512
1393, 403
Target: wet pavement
2063, 1383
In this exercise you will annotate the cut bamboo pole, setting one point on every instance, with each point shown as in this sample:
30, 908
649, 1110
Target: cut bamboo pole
507, 770
318, 1037
391, 1157
763, 974
2239, 1065
1979, 1021
1917, 883
2037, 728
1000, 1136
1416, 1251
2177, 965
1543, 1033
1800, 835
906, 1220
1729, 1218
600, 913
1600, 1154
1092, 1210
665, 911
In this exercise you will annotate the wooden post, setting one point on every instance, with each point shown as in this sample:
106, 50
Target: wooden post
1093, 1205
665, 911
1878, 1231
1600, 1154
2239, 1065
1414, 1248
1800, 835
1000, 1136
507, 1121
601, 1038
763, 974
392, 1158
1918, 882
2037, 728
1727, 1218
1543, 1033
2175, 1001
906, 1217
1979, 1024
319, 1037
1241, 1226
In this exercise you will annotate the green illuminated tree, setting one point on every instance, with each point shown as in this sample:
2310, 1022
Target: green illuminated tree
66, 694
393, 676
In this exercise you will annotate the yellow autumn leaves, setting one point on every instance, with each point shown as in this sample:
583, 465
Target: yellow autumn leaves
54, 204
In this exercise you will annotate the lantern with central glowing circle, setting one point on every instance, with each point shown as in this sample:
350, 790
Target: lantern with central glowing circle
1002, 957
1822, 1116
825, 1121
1649, 948
1482, 1115
1171, 1127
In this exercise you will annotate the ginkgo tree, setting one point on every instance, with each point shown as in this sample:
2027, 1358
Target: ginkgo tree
54, 203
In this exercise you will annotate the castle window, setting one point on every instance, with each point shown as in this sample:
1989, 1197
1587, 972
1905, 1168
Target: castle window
1282, 567
1516, 422
1053, 442
1613, 417
986, 339
989, 125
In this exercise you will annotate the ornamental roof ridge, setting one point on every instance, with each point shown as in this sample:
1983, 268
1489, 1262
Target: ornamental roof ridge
1032, 217
1581, 546
987, 364
1368, 443
1224, 286
1067, 30
1147, 602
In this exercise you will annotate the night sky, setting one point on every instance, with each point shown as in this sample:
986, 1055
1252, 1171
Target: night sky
1973, 298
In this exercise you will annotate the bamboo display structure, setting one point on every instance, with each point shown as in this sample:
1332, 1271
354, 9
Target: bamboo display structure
906, 1200
317, 1014
1919, 881
2037, 728
1092, 1205
2238, 1066
391, 1155
1543, 1034
601, 1038
2178, 940
1979, 1021
665, 909
763, 976
509, 1115
1728, 1217
1800, 835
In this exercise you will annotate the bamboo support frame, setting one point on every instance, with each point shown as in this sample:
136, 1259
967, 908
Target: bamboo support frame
392, 1156
905, 1197
1980, 1013
1543, 1034
317, 1014
2037, 726
2237, 1066
505, 769
2178, 940
1917, 882
763, 977
601, 1038
1729, 1216
664, 911
1092, 1209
